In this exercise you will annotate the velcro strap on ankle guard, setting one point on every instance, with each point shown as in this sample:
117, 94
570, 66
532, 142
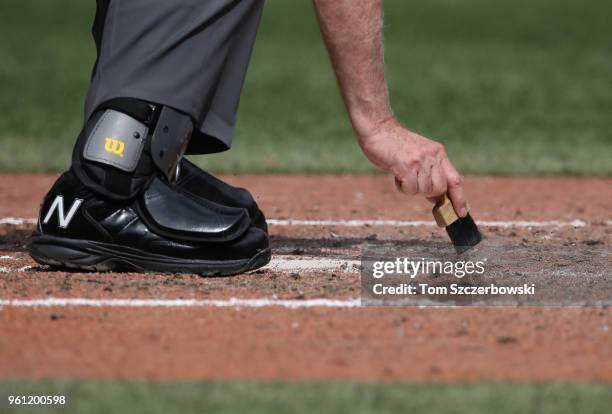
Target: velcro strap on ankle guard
125, 142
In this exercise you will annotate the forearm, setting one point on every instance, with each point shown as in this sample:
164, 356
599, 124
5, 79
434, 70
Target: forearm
352, 30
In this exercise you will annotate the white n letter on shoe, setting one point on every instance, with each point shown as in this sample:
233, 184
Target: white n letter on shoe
63, 218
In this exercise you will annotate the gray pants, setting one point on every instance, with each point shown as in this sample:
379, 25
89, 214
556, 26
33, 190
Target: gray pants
191, 55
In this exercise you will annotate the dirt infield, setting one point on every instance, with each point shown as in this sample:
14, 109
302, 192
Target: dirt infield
188, 327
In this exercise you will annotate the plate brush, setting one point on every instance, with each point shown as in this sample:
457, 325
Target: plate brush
463, 232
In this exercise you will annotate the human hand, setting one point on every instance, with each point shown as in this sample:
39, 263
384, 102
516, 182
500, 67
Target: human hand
419, 165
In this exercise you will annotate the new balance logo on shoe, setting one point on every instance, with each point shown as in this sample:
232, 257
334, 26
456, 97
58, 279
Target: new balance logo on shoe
63, 218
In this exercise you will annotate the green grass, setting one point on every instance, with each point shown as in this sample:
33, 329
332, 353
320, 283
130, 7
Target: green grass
519, 87
353, 398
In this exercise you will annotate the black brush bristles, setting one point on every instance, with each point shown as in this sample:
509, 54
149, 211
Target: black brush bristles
463, 233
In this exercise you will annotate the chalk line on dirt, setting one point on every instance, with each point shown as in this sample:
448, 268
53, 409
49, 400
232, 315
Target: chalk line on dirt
14, 269
181, 303
379, 223
408, 223
279, 264
313, 263
17, 220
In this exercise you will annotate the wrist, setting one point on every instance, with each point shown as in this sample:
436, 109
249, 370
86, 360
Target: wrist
368, 127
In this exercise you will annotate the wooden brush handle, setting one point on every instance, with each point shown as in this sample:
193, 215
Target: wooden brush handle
443, 211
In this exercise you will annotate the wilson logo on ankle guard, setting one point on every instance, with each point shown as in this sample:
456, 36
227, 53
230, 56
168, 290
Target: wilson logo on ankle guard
104, 147
63, 218
114, 146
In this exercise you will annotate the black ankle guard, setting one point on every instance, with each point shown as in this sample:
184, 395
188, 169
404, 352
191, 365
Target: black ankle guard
126, 143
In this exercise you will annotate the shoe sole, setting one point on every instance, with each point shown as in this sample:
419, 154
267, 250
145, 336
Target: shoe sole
59, 252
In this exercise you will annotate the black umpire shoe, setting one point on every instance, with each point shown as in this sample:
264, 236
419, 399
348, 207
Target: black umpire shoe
164, 229
201, 184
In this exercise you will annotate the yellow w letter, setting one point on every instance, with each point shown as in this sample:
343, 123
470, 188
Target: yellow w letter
114, 146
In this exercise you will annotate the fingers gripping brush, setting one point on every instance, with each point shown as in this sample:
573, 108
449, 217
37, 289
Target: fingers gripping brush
463, 232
